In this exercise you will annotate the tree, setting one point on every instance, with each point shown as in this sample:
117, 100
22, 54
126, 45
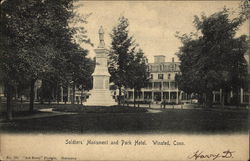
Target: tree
9, 63
121, 54
32, 29
245, 9
45, 92
213, 60
138, 73
245, 12
37, 42
81, 70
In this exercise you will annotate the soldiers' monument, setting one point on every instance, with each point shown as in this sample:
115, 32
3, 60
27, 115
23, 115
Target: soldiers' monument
100, 95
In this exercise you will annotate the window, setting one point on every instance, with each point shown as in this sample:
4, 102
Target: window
169, 76
150, 67
160, 76
161, 67
165, 85
151, 76
149, 86
172, 67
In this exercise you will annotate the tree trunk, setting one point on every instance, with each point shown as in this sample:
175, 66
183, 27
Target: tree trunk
49, 101
138, 93
237, 97
134, 97
120, 95
41, 101
223, 100
57, 93
81, 96
32, 85
9, 101
209, 99
200, 99
16, 94
74, 93
203, 100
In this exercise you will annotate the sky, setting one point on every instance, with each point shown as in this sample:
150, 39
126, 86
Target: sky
152, 23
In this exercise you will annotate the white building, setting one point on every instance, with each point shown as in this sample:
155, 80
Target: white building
162, 85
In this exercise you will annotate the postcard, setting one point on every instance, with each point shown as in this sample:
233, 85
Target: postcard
124, 80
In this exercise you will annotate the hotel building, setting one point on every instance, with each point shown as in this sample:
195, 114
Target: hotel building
162, 85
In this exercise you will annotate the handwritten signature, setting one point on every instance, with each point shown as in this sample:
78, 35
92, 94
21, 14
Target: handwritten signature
202, 155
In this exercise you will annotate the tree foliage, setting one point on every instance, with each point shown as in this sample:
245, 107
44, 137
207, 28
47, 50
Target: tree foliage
121, 54
215, 59
138, 75
37, 42
127, 65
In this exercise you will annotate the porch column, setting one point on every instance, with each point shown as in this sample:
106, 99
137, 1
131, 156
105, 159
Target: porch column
74, 94
168, 91
35, 93
161, 96
241, 95
161, 90
153, 91
177, 94
133, 94
177, 97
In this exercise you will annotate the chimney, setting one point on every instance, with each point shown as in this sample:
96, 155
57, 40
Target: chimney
159, 58
173, 60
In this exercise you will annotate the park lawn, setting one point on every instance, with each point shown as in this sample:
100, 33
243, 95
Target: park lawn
191, 121
98, 109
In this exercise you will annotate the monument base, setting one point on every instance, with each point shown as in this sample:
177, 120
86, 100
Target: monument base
100, 97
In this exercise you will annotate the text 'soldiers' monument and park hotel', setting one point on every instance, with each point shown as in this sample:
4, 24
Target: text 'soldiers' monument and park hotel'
100, 95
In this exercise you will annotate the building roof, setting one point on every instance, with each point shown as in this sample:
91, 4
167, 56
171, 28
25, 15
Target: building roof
164, 67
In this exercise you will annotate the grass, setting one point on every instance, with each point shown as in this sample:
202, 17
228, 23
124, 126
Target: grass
99, 109
23, 110
18, 107
168, 121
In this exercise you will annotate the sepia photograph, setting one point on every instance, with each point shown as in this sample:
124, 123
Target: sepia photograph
124, 80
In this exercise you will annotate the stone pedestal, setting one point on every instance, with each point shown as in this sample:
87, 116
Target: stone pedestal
100, 95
